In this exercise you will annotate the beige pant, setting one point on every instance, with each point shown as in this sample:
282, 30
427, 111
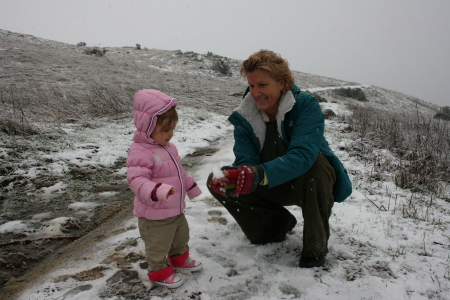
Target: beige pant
164, 238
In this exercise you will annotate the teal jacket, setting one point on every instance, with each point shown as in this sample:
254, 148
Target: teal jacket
301, 123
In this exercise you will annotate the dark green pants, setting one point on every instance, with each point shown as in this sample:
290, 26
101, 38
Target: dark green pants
262, 215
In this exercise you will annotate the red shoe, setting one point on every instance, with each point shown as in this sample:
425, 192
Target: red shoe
184, 262
166, 277
190, 265
173, 281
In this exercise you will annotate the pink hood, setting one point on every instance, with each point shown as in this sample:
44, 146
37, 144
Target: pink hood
148, 104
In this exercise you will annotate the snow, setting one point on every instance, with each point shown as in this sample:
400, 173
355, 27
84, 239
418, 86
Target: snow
49, 229
13, 226
317, 89
217, 172
49, 191
376, 249
82, 205
41, 216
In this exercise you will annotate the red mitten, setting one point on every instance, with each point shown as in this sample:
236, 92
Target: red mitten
217, 187
231, 174
247, 180
237, 180
223, 184
243, 179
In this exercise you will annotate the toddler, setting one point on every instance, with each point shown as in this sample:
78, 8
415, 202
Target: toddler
160, 184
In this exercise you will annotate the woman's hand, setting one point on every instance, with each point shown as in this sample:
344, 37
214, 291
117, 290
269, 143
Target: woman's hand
247, 179
237, 180
218, 183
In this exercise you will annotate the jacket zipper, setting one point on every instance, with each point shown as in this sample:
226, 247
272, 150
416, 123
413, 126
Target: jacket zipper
179, 176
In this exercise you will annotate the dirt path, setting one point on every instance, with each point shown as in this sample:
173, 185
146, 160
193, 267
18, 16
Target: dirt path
111, 221
109, 227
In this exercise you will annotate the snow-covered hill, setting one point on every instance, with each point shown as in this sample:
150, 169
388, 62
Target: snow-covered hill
386, 242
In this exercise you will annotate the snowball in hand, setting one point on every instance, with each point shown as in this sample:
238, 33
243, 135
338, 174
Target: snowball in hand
217, 172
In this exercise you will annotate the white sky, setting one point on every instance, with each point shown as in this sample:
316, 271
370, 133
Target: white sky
397, 44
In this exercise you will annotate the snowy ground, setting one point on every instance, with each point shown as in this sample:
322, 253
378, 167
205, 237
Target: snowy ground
375, 252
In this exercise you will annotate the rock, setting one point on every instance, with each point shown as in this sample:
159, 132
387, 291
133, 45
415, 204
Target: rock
16, 260
3, 263
81, 174
328, 114
107, 188
4, 277
88, 275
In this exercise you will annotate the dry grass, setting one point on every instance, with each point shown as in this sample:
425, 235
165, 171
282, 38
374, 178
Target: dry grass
419, 143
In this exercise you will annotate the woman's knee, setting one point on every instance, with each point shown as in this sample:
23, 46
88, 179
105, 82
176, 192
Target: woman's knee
323, 169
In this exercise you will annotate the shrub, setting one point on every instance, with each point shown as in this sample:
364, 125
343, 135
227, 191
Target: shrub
81, 44
356, 93
318, 97
95, 51
138, 47
11, 127
328, 114
221, 67
419, 145
443, 114
190, 54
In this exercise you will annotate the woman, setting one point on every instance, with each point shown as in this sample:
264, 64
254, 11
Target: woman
282, 159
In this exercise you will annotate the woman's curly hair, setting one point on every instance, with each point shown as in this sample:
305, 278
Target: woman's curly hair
271, 62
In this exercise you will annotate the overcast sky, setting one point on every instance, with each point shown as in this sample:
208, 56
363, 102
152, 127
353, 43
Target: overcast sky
397, 44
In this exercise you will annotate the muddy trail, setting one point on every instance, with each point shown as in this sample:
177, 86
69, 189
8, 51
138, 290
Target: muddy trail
25, 260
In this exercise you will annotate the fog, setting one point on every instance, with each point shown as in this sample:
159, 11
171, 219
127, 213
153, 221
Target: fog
400, 45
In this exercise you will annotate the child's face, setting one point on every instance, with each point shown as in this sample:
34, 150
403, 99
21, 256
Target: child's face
163, 133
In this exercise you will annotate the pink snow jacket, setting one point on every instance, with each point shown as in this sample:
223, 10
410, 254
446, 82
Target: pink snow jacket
154, 169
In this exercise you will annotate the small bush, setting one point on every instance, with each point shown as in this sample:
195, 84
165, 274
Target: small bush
138, 47
318, 97
329, 114
221, 67
11, 127
356, 94
444, 114
81, 44
418, 144
95, 51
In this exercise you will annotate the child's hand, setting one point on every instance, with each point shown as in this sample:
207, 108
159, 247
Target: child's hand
170, 193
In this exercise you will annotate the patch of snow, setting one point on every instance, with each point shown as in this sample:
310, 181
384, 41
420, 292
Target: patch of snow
13, 227
83, 206
107, 194
41, 216
49, 192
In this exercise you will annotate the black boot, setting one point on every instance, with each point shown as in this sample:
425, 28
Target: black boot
281, 236
307, 262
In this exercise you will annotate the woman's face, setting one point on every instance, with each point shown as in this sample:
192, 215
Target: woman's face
265, 91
